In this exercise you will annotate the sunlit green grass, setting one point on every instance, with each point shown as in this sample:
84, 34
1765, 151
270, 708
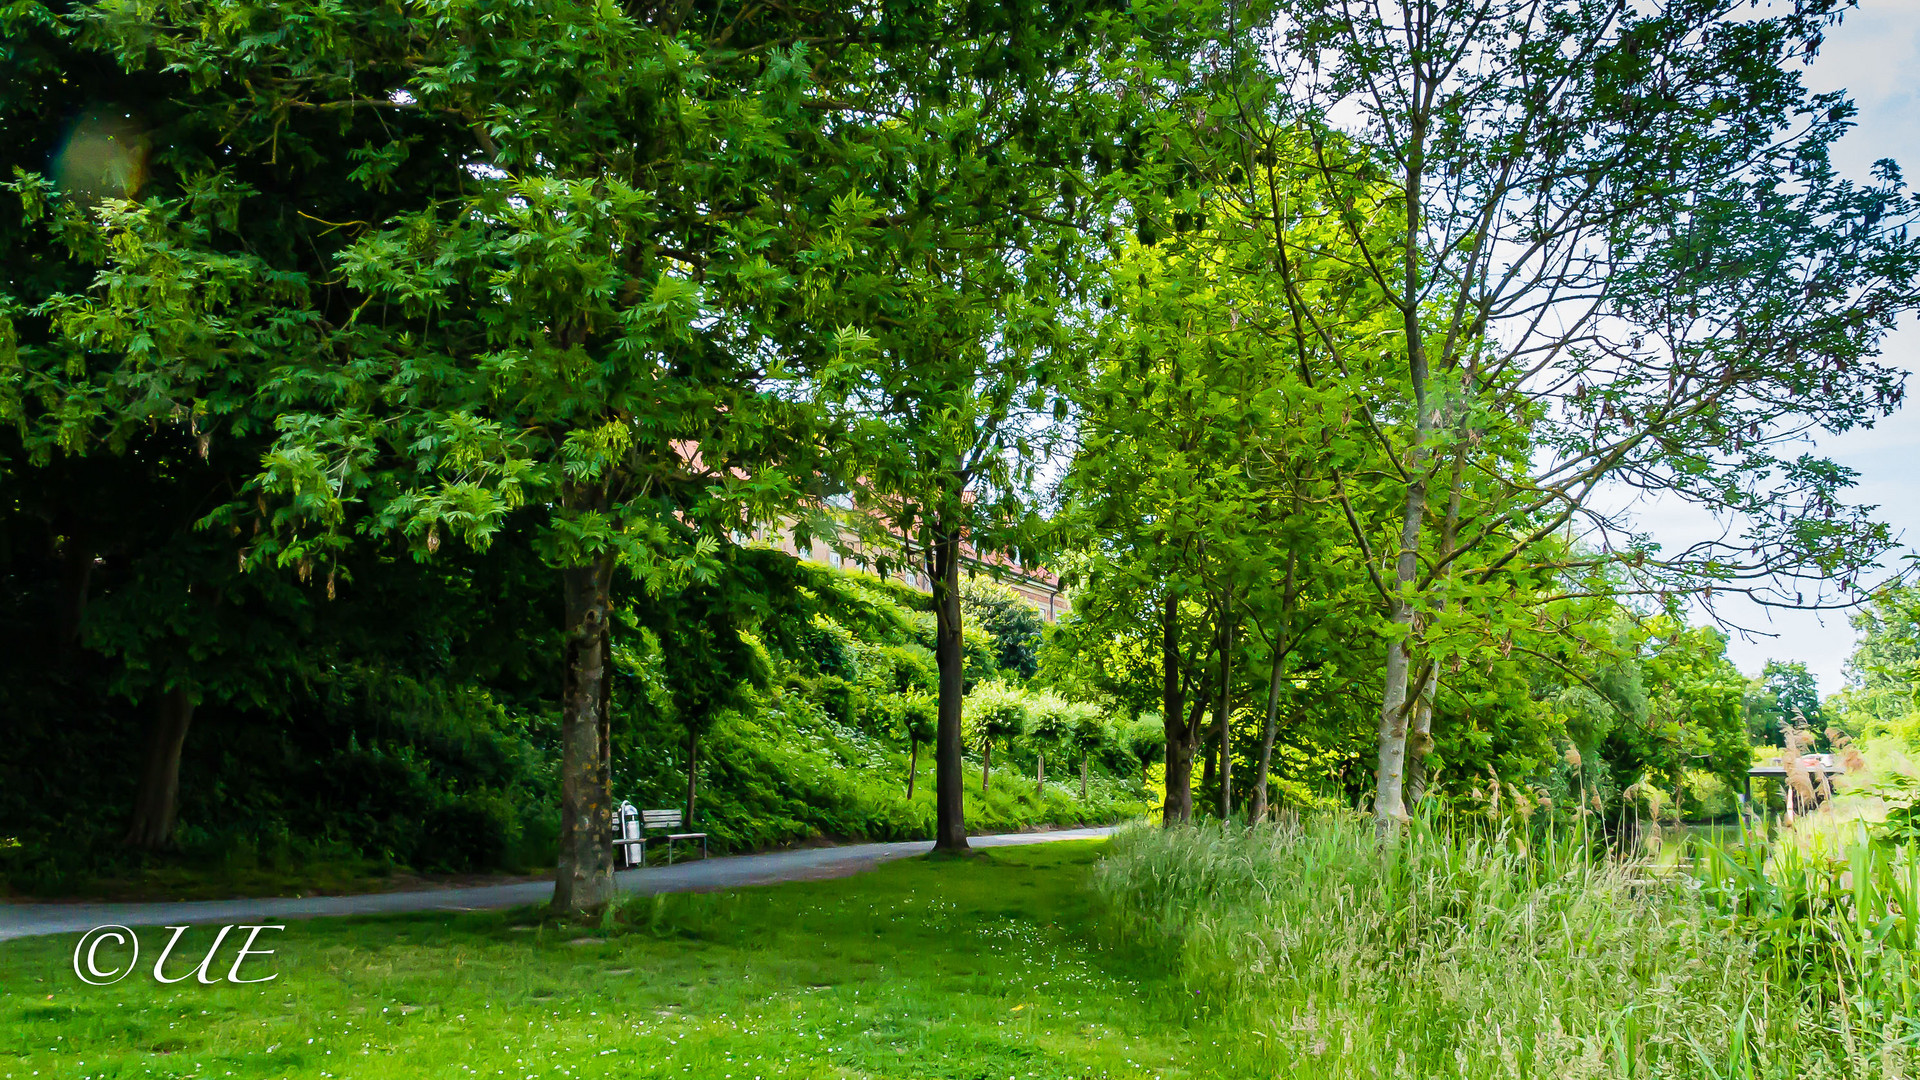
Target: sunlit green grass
1478, 949
980, 968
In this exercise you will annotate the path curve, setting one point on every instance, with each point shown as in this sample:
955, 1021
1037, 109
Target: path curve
34, 920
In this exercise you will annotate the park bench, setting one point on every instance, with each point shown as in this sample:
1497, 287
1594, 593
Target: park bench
630, 834
668, 820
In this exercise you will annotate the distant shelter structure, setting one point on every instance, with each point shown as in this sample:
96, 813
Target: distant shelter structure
1819, 770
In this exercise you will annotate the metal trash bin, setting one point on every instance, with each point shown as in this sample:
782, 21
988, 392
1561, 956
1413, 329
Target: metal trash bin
629, 840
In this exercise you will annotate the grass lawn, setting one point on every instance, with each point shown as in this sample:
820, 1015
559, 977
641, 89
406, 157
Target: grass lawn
978, 968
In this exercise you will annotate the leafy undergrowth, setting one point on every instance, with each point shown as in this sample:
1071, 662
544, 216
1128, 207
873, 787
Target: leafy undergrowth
778, 781
827, 784
957, 969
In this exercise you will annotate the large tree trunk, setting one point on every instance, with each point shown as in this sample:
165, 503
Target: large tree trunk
1268, 729
950, 811
1178, 807
583, 880
1179, 739
157, 801
913, 768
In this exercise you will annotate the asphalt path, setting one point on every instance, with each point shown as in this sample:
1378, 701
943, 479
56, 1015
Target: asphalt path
702, 875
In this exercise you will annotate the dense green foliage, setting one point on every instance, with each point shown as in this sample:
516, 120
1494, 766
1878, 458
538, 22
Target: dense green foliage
1011, 622
1882, 695
400, 388
387, 759
402, 723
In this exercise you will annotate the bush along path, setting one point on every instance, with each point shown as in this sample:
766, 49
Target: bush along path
32, 920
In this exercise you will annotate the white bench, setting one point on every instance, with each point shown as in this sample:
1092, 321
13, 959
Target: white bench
630, 829
666, 821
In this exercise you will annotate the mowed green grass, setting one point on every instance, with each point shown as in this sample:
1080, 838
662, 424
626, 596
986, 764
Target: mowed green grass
961, 969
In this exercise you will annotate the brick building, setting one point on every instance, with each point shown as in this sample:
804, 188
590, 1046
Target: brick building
1036, 585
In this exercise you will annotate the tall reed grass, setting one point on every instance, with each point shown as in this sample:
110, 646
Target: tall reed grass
1472, 953
1832, 914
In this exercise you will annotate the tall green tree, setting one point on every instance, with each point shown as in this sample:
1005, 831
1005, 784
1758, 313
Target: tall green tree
552, 266
1883, 674
1795, 693
1616, 234
977, 223
1203, 483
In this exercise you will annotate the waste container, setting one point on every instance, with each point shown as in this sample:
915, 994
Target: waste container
629, 842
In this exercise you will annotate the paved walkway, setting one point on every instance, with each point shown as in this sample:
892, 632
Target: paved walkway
32, 920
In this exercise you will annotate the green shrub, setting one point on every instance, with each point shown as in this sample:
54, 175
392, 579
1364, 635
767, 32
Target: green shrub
829, 647
472, 832
1010, 623
840, 699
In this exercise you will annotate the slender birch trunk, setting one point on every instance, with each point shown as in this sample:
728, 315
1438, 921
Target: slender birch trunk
1389, 808
1269, 729
1419, 744
1179, 736
1223, 709
1420, 734
1281, 645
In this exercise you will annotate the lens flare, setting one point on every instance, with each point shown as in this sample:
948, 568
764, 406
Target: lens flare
104, 157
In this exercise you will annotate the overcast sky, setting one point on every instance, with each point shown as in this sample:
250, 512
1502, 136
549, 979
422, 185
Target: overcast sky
1874, 55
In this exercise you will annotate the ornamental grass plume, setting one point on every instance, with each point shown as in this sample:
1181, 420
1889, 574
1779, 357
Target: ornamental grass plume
1521, 804
1850, 758
1796, 770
